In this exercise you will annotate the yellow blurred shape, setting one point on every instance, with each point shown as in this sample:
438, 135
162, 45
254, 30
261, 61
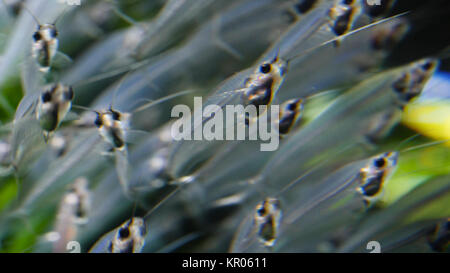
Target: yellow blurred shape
431, 119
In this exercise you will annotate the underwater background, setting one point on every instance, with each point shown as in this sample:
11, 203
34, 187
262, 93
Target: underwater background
365, 159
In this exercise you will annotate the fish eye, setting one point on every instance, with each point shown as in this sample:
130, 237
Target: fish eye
380, 163
68, 95
115, 115
408, 97
427, 66
98, 121
261, 211
37, 36
292, 106
124, 233
305, 6
79, 212
53, 33
46, 97
265, 68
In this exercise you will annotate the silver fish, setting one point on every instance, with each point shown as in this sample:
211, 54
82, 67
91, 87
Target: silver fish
129, 237
73, 212
372, 97
45, 45
53, 105
336, 197
267, 219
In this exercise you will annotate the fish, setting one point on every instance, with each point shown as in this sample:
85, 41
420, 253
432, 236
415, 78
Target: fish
53, 105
